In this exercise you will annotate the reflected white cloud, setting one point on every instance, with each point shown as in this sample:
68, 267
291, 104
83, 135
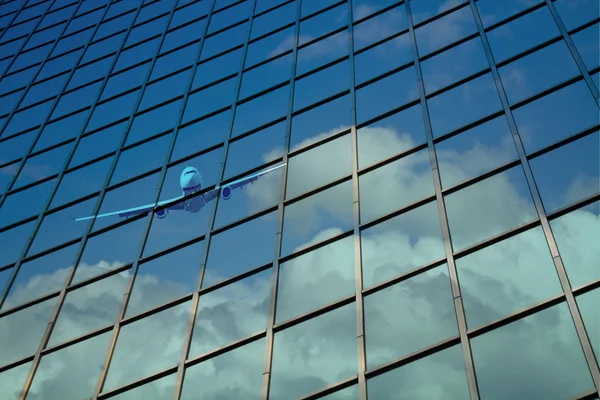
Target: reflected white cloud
318, 355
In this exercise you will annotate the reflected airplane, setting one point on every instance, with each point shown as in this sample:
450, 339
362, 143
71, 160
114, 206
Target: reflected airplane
190, 182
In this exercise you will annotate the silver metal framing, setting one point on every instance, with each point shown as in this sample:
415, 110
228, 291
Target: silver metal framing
537, 200
441, 206
361, 379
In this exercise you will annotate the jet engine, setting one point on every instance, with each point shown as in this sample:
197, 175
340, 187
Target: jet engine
160, 214
225, 192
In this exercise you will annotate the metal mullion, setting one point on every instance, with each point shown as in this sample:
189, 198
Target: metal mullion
445, 227
207, 238
268, 358
117, 325
24, 159
53, 107
537, 200
358, 274
578, 60
63, 292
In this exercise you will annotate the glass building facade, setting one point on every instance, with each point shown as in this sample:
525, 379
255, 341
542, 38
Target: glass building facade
433, 232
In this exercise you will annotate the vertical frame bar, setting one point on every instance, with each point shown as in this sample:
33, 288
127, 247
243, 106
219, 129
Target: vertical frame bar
437, 182
358, 273
117, 326
208, 237
270, 334
574, 52
551, 241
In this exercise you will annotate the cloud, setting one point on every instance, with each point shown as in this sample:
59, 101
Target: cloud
399, 320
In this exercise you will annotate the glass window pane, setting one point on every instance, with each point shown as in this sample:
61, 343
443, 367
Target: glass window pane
270, 46
576, 13
202, 135
254, 150
232, 313
320, 122
61, 130
506, 277
266, 76
390, 136
538, 71
316, 279
445, 31
322, 52
28, 326
98, 144
218, 68
166, 278
488, 208
395, 185
156, 121
112, 111
587, 43
517, 36
165, 89
386, 94
380, 27
401, 244
319, 166
224, 41
314, 354
110, 250
323, 23
14, 240
440, 375
12, 381
476, 151
209, 100
58, 227
213, 378
91, 307
453, 65
259, 111
382, 58
492, 11
273, 20
409, 316
43, 165
223, 263
41, 276
317, 218
463, 105
16, 147
556, 116
576, 235
58, 370
588, 306
251, 198
26, 203
321, 85
142, 158
569, 173
540, 348
134, 358
82, 182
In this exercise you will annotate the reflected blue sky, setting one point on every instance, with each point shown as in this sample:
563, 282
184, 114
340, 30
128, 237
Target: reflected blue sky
492, 206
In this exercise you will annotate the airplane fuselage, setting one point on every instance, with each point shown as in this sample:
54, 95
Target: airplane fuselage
191, 182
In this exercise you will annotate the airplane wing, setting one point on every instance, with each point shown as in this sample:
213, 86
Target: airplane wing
225, 190
138, 210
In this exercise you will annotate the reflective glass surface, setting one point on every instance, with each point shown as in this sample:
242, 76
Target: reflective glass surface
208, 197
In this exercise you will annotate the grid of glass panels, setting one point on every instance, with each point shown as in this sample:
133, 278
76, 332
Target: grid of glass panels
432, 234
